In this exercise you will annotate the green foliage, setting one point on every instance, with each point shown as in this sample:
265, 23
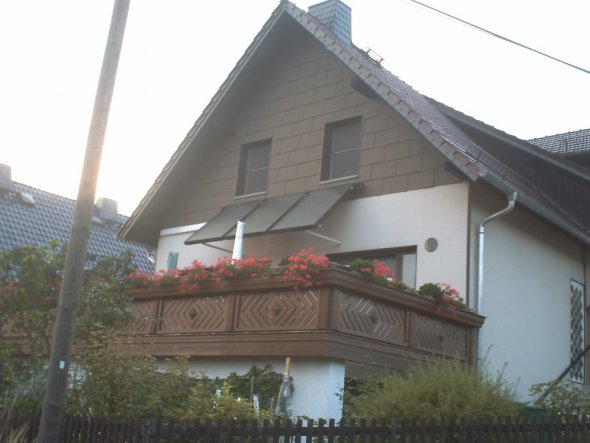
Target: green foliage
441, 389
22, 381
261, 381
109, 380
30, 282
30, 278
112, 378
103, 300
563, 398
205, 405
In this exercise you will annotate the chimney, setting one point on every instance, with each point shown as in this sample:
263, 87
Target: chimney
5, 177
107, 209
335, 16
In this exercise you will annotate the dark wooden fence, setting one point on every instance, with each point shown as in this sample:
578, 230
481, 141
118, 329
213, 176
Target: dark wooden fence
103, 430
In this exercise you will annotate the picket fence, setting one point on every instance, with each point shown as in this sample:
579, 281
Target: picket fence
77, 429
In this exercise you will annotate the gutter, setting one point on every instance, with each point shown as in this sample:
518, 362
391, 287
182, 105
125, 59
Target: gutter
480, 267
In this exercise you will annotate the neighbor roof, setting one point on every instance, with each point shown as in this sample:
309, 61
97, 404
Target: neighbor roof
432, 120
32, 216
567, 143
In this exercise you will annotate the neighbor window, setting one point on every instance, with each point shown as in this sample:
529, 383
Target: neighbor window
253, 171
342, 142
577, 330
402, 261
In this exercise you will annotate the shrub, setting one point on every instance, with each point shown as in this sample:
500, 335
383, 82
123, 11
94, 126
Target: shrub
205, 405
440, 389
563, 398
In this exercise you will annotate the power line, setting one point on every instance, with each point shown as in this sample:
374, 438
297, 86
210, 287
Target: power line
506, 39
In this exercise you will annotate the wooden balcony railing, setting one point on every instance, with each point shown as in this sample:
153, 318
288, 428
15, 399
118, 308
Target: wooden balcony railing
345, 318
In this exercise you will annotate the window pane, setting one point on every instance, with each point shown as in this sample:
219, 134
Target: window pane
346, 137
341, 149
253, 170
345, 163
258, 156
256, 181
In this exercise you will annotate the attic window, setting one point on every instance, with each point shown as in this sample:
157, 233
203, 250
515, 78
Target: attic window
253, 169
27, 198
376, 58
342, 142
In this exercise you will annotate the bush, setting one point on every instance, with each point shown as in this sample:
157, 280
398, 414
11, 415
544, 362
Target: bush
205, 405
440, 389
563, 398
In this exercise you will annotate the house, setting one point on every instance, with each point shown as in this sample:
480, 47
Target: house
312, 142
32, 216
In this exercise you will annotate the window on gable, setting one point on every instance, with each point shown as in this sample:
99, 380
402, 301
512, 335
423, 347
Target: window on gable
342, 142
402, 261
253, 170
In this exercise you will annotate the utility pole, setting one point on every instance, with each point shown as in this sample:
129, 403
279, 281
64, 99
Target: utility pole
69, 297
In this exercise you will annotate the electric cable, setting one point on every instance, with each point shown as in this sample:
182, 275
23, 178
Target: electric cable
506, 39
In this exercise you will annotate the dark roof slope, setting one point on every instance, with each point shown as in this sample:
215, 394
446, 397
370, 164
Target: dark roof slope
561, 186
567, 143
461, 148
31, 216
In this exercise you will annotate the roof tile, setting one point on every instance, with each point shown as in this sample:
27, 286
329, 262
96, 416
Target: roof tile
50, 218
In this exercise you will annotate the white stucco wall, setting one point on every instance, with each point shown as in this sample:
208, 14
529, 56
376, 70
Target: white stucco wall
386, 221
316, 382
527, 270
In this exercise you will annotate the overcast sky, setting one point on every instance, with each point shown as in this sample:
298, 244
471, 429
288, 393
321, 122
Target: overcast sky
176, 53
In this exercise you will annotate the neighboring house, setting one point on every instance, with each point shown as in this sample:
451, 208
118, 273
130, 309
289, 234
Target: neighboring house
572, 146
303, 117
32, 216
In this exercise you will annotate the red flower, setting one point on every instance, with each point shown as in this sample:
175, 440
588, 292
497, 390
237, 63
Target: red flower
304, 268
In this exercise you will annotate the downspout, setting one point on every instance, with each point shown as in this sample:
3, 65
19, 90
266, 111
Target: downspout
485, 221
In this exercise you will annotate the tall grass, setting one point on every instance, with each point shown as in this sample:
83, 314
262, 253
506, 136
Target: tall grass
9, 435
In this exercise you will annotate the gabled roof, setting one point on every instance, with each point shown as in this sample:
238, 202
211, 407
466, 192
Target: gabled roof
32, 216
432, 120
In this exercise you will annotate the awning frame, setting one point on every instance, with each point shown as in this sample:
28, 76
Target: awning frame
295, 212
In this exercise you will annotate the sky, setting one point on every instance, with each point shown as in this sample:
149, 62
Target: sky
176, 54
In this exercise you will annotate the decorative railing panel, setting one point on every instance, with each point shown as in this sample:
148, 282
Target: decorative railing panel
440, 337
364, 316
195, 314
276, 311
145, 312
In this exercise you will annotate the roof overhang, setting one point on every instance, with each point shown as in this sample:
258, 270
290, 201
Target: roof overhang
293, 212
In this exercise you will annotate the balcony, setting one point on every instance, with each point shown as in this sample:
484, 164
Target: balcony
346, 318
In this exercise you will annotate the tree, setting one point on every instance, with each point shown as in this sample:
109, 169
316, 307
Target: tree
30, 279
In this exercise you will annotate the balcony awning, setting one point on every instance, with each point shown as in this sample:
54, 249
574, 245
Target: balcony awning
278, 214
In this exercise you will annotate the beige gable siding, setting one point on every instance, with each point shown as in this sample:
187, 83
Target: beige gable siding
305, 88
